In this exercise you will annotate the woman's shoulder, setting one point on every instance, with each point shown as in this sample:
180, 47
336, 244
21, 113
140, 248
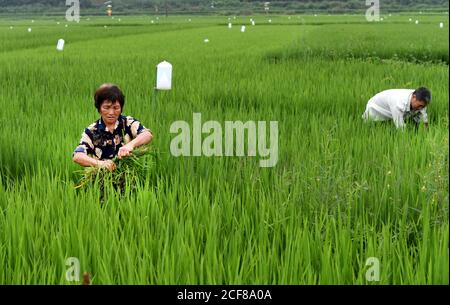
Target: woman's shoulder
92, 128
129, 119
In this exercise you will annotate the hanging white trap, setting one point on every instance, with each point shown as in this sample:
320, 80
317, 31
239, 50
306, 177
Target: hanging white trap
164, 76
60, 45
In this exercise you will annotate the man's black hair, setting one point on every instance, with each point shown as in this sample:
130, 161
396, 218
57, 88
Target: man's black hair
423, 94
108, 92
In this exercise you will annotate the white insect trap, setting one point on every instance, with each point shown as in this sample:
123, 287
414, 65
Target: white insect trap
60, 45
164, 76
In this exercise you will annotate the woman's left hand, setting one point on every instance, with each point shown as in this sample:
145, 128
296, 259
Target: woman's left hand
125, 151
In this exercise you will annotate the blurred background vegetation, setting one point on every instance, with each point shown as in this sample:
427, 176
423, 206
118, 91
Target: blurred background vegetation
219, 7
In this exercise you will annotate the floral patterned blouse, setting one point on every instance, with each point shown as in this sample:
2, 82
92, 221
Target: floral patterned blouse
102, 143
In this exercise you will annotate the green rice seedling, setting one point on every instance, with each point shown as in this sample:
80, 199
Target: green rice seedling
132, 170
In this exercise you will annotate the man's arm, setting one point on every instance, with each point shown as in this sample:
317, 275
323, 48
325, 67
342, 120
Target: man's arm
424, 118
142, 138
397, 117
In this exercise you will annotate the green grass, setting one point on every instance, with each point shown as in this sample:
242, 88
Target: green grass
341, 192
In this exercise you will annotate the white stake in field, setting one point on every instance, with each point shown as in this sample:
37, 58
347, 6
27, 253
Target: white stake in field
60, 45
164, 76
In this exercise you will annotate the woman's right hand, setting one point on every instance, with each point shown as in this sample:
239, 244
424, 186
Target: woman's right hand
108, 164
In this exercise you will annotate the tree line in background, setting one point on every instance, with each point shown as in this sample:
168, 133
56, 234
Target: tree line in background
225, 6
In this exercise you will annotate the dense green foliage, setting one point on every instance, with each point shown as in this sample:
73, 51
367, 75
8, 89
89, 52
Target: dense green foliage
341, 192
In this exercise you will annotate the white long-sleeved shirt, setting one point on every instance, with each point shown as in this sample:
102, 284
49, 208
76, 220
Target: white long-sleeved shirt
393, 104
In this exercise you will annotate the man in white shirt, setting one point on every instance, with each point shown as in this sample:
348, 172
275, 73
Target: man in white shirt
399, 105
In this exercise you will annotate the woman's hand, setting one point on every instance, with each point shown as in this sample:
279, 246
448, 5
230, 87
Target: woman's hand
125, 151
108, 164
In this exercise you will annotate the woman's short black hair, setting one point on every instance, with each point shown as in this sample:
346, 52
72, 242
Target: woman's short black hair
423, 94
108, 92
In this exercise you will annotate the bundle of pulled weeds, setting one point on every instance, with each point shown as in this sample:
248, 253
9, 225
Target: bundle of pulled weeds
129, 170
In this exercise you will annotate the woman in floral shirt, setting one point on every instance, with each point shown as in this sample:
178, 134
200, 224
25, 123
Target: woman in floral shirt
113, 134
